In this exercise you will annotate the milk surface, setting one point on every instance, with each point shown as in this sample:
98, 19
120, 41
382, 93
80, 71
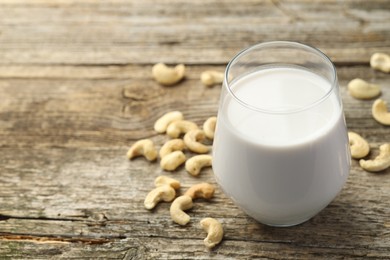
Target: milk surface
280, 167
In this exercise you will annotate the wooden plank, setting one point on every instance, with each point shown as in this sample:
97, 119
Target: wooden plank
66, 111
121, 32
84, 187
67, 189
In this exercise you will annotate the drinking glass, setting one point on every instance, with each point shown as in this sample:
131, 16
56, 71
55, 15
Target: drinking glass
281, 149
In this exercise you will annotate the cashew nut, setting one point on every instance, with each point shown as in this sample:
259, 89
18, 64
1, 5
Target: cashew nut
380, 61
202, 190
143, 147
164, 191
361, 89
161, 193
214, 231
381, 162
168, 76
210, 78
176, 128
172, 160
380, 113
172, 145
162, 123
164, 180
195, 164
177, 209
192, 138
209, 127
359, 146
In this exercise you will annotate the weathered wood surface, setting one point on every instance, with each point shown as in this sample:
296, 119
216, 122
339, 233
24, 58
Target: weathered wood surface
76, 90
194, 32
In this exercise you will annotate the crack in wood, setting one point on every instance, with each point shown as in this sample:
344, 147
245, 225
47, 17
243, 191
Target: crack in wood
95, 220
50, 239
7, 217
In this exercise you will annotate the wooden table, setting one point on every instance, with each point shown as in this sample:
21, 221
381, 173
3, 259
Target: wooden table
76, 91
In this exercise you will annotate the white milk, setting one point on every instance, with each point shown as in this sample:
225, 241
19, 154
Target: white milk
283, 168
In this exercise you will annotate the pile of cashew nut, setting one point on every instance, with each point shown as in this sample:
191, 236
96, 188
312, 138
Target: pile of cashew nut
361, 89
183, 137
360, 149
185, 202
165, 190
172, 152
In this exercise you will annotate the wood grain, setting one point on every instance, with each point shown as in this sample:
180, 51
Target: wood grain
192, 32
76, 91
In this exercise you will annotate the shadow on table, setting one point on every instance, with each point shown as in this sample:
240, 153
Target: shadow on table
340, 225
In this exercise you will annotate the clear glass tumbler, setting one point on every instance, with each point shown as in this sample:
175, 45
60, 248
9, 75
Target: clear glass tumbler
281, 149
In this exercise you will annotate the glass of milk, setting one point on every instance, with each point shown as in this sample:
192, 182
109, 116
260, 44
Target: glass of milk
281, 149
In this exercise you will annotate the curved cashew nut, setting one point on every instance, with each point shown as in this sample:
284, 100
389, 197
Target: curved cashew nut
177, 209
143, 147
164, 191
195, 164
361, 89
160, 126
165, 180
380, 163
211, 77
161, 193
380, 113
168, 76
202, 190
176, 128
359, 146
171, 146
209, 127
214, 231
192, 138
173, 160
380, 61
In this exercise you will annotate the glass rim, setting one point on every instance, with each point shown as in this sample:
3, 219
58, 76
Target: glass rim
286, 43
